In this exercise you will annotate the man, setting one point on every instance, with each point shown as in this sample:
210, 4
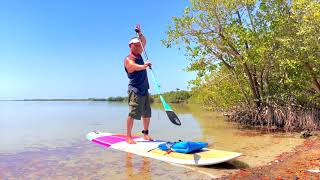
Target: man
138, 95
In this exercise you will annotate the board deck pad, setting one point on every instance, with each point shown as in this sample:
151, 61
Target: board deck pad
149, 149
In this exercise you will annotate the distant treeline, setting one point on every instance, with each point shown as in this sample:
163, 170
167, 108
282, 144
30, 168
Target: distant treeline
118, 98
88, 99
178, 96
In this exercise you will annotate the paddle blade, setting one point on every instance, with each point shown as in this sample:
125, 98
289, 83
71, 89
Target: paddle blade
173, 118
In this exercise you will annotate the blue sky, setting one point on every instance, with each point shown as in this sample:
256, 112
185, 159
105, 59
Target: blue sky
75, 48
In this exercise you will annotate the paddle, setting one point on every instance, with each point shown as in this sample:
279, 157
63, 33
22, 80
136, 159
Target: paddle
170, 113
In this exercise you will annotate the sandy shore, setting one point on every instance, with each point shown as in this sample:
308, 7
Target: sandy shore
302, 163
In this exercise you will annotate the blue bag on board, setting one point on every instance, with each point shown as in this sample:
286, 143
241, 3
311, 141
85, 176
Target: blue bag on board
183, 147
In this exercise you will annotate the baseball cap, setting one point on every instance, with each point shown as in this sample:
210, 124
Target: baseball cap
134, 40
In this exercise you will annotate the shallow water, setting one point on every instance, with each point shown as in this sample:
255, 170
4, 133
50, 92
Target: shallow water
46, 140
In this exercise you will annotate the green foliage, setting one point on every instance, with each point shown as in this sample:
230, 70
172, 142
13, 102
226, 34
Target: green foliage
218, 91
178, 96
251, 52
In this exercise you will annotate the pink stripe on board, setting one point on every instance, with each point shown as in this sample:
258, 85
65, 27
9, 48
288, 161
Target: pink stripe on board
111, 139
101, 143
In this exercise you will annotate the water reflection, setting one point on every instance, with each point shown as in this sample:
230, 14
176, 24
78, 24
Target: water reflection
143, 171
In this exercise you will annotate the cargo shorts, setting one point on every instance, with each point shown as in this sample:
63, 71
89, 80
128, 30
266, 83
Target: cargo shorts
139, 105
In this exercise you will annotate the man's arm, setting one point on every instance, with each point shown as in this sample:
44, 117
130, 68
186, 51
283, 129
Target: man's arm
143, 39
141, 36
131, 66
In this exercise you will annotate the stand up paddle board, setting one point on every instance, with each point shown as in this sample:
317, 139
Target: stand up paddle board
150, 149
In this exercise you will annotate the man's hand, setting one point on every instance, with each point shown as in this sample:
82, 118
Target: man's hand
141, 37
137, 29
147, 63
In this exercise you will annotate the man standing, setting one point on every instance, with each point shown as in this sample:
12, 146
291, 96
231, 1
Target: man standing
138, 94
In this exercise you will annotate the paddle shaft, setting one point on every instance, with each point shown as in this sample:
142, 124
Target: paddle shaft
172, 115
152, 73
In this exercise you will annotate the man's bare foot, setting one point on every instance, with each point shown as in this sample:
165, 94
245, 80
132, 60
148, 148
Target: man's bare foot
130, 140
147, 137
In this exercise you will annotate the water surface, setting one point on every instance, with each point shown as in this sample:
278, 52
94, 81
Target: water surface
47, 140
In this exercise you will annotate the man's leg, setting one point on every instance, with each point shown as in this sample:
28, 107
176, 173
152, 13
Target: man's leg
146, 122
129, 129
146, 117
133, 113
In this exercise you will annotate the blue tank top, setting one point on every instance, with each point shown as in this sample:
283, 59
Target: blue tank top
138, 80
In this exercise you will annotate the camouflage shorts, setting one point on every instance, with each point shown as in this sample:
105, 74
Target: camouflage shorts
139, 106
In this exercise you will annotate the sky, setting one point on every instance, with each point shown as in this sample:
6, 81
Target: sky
76, 48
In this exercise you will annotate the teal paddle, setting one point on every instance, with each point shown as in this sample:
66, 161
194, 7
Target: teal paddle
170, 113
